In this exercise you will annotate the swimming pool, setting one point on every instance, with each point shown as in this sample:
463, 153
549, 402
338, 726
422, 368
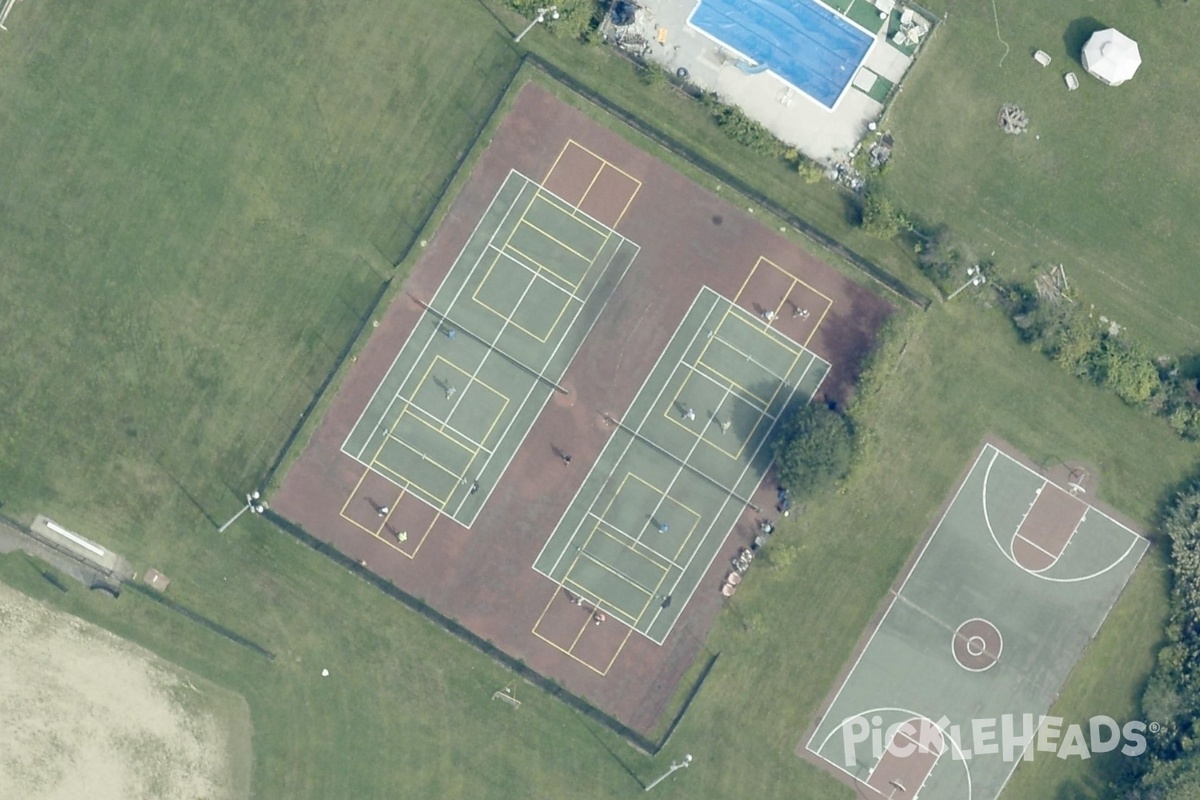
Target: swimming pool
802, 41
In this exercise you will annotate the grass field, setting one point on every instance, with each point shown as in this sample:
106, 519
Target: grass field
186, 255
196, 216
1109, 189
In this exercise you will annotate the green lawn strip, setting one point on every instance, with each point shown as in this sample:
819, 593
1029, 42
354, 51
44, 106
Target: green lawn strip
697, 174
865, 14
400, 272
1100, 183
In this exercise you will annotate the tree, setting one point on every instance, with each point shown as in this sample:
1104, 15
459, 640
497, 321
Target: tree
814, 448
1172, 694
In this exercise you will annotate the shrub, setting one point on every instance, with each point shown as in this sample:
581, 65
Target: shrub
881, 217
734, 123
810, 171
1123, 366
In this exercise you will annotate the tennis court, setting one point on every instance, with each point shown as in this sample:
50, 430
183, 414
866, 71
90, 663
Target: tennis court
486, 355
678, 469
987, 624
804, 42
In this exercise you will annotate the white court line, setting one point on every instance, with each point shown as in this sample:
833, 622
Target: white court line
753, 403
1017, 532
492, 349
665, 493
399, 352
411, 404
946, 737
537, 273
632, 540
611, 439
728, 497
1091, 507
444, 315
1035, 546
1067, 544
717, 300
437, 327
749, 357
621, 247
892, 604
987, 519
552, 356
599, 458
601, 225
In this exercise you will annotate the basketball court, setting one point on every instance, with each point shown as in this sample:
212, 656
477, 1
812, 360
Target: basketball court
988, 622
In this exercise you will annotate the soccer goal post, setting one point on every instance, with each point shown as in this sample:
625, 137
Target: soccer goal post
506, 695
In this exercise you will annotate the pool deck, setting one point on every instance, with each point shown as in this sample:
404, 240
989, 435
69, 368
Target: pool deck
820, 133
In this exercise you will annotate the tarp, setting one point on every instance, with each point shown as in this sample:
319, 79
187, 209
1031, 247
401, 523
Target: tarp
1111, 56
801, 41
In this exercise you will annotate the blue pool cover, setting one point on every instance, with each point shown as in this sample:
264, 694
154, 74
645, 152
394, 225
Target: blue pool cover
805, 43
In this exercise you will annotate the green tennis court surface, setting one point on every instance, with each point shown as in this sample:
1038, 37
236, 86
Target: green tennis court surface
673, 479
1012, 585
486, 355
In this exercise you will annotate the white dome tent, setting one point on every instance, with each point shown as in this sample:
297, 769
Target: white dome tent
1111, 56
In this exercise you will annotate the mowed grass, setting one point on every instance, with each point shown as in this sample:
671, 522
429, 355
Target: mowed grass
1111, 186
145, 388
199, 204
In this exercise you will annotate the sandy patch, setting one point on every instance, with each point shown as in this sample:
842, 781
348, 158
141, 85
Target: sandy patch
86, 714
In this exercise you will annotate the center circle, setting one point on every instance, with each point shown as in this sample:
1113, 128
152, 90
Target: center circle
977, 645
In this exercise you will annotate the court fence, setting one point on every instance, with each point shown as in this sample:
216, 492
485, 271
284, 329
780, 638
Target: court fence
488, 648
